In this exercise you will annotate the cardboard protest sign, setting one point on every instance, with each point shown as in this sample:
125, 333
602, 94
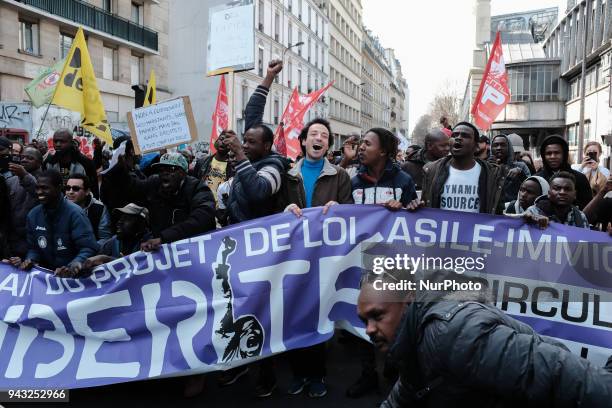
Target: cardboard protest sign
163, 125
231, 38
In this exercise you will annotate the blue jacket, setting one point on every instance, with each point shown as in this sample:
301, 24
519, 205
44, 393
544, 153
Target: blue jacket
61, 236
395, 184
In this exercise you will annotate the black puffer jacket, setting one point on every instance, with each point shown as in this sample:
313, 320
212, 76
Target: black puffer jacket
471, 354
189, 213
584, 194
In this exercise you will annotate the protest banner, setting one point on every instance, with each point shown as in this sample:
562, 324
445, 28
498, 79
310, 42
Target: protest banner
231, 38
265, 286
163, 125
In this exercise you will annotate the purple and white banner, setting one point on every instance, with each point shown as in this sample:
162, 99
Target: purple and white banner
262, 287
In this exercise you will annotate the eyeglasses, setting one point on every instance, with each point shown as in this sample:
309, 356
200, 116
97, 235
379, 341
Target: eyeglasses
76, 189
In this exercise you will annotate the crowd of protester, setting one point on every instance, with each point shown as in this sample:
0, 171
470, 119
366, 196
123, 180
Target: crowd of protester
68, 213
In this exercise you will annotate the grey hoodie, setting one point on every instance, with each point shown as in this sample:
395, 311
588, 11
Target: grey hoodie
512, 185
514, 207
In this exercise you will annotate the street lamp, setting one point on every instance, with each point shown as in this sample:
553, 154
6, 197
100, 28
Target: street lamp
297, 44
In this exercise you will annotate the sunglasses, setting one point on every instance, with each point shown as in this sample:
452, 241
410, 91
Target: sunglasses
76, 189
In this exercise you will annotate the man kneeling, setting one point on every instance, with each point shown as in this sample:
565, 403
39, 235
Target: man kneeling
455, 350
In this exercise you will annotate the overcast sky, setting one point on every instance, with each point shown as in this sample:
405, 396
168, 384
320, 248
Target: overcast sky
434, 39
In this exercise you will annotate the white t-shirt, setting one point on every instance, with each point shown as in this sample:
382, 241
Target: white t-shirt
461, 190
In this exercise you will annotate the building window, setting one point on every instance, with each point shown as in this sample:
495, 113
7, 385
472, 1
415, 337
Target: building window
299, 75
261, 15
276, 111
289, 34
276, 27
534, 83
245, 97
136, 70
309, 15
299, 41
137, 14
300, 9
309, 82
308, 52
290, 75
28, 37
260, 62
572, 134
591, 79
316, 58
289, 4
109, 63
65, 44
107, 5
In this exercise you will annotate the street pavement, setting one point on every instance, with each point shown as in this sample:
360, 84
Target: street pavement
343, 368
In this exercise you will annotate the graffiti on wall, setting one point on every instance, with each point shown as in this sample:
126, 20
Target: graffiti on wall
15, 115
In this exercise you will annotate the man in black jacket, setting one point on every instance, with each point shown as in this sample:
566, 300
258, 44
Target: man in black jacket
68, 160
455, 350
555, 157
436, 147
462, 182
180, 206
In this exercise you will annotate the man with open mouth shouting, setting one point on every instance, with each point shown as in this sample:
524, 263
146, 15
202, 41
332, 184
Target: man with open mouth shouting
314, 182
462, 182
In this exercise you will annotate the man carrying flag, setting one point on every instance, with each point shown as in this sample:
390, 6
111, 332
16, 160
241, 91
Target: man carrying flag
78, 91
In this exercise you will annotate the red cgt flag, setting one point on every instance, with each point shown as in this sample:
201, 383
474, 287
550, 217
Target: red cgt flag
493, 94
220, 119
286, 137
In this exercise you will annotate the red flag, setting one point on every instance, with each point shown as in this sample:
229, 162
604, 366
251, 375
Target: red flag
493, 94
286, 138
220, 120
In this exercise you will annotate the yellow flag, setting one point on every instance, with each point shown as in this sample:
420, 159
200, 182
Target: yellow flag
77, 90
151, 95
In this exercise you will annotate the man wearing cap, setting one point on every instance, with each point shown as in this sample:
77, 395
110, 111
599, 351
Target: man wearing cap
22, 196
483, 151
180, 206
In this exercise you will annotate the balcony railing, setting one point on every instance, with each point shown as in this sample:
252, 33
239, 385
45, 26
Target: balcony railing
98, 19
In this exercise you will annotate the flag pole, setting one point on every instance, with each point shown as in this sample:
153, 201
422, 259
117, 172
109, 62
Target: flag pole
230, 112
43, 119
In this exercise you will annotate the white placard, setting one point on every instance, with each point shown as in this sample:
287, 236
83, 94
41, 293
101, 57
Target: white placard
231, 38
165, 124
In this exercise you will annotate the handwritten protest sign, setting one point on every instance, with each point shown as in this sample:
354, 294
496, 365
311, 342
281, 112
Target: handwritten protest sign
231, 38
166, 124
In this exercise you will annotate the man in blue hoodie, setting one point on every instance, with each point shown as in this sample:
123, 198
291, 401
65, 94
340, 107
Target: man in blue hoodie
380, 180
59, 233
